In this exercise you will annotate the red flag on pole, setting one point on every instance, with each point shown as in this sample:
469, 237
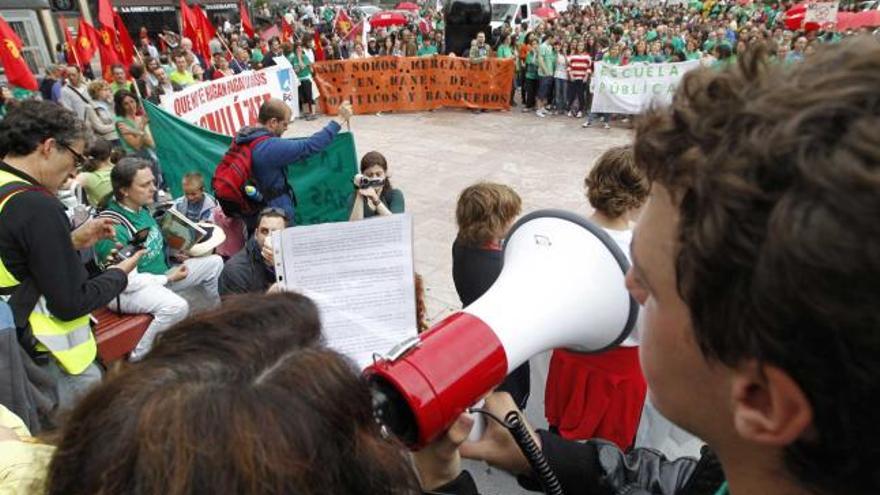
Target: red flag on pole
105, 13
203, 30
86, 41
246, 25
70, 52
319, 48
343, 23
17, 71
190, 27
107, 49
286, 30
124, 45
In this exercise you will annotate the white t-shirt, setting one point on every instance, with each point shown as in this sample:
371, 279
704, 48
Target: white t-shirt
623, 238
561, 67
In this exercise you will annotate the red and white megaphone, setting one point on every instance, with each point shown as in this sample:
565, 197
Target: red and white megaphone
562, 286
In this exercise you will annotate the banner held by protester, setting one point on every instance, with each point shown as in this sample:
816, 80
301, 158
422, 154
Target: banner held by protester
629, 89
322, 182
228, 104
381, 84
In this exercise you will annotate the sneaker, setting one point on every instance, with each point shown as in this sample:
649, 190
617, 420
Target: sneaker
526, 110
586, 124
541, 113
606, 126
569, 114
580, 115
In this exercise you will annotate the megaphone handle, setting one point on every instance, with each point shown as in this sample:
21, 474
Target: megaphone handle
523, 438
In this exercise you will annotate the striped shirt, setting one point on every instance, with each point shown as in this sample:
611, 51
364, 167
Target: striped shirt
579, 65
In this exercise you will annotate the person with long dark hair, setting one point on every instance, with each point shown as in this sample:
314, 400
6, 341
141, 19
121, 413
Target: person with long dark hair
375, 200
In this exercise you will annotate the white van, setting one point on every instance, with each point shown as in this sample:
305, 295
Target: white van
518, 10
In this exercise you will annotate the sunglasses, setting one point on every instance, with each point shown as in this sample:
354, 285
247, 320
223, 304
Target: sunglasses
78, 158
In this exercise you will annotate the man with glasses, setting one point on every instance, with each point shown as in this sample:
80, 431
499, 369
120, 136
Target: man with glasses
41, 275
252, 270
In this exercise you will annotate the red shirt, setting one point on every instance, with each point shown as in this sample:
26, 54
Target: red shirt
579, 65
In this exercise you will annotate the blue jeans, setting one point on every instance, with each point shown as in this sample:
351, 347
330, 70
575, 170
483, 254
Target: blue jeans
560, 94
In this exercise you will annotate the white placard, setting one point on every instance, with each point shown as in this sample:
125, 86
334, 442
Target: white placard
360, 274
821, 12
629, 89
226, 105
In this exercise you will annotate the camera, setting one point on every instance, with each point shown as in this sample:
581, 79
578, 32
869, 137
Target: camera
134, 245
363, 182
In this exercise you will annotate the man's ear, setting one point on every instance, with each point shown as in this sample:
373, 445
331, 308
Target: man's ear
768, 406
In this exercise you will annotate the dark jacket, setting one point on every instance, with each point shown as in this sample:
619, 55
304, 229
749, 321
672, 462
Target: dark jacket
598, 467
246, 272
474, 270
36, 248
271, 157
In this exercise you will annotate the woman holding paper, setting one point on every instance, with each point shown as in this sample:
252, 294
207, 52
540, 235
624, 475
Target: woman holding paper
155, 286
374, 195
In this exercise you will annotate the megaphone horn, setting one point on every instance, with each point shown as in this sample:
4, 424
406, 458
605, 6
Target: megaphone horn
562, 285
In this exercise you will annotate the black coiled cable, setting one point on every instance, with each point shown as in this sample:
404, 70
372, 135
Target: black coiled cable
517, 428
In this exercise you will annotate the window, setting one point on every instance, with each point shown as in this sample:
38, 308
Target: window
27, 27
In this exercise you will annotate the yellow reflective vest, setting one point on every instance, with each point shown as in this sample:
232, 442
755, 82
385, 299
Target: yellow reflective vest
71, 343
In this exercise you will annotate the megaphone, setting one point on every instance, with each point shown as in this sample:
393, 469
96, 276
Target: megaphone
562, 286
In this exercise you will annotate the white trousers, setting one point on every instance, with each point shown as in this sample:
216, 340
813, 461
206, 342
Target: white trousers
165, 303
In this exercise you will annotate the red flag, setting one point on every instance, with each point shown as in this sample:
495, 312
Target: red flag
355, 32
343, 23
201, 31
319, 48
246, 25
124, 45
17, 71
86, 41
286, 30
107, 49
191, 27
105, 13
70, 51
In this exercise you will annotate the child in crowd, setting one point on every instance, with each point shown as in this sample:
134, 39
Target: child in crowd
95, 175
601, 395
195, 203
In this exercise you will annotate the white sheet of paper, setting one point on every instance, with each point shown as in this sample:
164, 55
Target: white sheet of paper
360, 274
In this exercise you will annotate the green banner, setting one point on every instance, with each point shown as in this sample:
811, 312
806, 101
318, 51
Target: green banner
322, 181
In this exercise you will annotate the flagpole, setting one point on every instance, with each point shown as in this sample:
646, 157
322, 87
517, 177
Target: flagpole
73, 49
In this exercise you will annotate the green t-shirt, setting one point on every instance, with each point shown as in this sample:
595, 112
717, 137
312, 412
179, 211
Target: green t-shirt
548, 55
130, 123
97, 185
427, 51
611, 60
183, 79
694, 55
642, 58
303, 70
115, 86
531, 66
153, 260
504, 51
256, 56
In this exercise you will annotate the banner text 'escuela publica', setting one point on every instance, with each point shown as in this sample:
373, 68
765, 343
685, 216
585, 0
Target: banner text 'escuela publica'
414, 83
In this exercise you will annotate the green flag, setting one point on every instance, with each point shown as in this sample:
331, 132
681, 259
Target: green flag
322, 181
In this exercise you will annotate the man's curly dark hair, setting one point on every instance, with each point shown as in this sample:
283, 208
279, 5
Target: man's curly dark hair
776, 169
31, 122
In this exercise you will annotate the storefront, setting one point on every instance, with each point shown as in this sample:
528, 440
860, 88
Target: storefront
160, 15
29, 18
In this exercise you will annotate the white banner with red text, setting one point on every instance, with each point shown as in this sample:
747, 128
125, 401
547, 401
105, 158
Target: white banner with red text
228, 104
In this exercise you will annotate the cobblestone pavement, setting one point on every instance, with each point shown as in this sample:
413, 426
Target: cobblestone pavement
432, 156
